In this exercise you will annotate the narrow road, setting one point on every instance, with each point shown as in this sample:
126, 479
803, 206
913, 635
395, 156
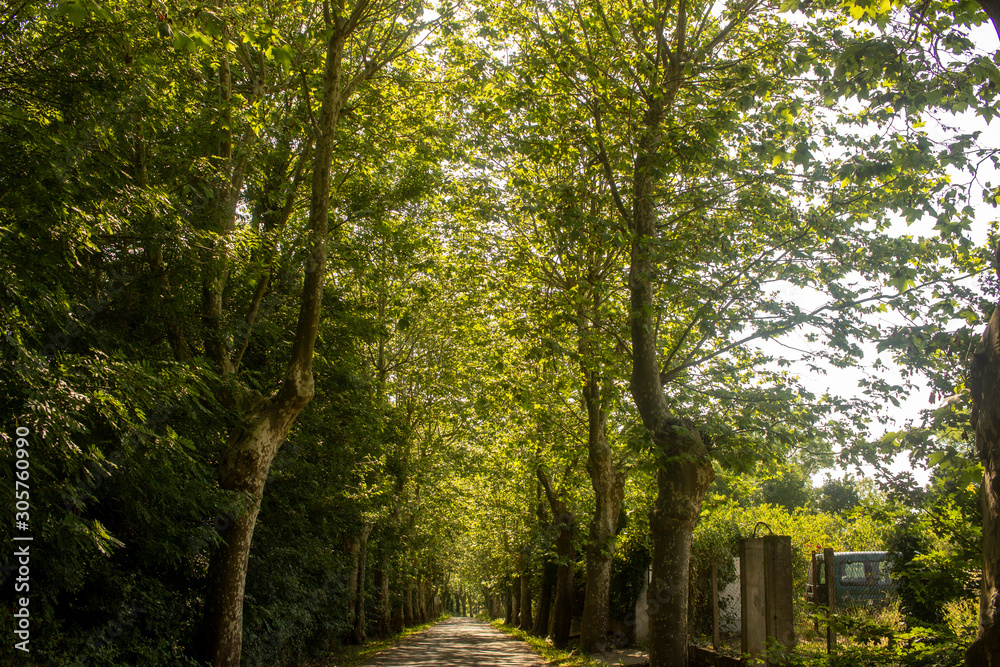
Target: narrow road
458, 642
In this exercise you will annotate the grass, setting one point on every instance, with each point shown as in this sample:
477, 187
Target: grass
350, 656
547, 651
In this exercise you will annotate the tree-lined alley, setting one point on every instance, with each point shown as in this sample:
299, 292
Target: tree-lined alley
327, 317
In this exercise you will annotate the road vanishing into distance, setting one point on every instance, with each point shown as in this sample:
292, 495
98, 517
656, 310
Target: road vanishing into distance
458, 642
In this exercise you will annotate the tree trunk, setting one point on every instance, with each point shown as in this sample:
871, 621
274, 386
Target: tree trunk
383, 610
487, 600
540, 628
684, 469
408, 603
609, 491
397, 621
246, 459
984, 385
608, 483
565, 581
992, 9
508, 598
516, 588
245, 465
422, 599
496, 606
358, 633
226, 580
524, 619
681, 484
352, 549
564, 522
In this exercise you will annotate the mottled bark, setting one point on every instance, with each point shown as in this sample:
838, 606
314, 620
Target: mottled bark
396, 620
408, 603
516, 590
422, 600
546, 585
493, 604
608, 483
984, 386
564, 522
547, 580
383, 609
245, 465
524, 620
508, 599
609, 491
992, 9
352, 548
682, 477
247, 456
226, 580
684, 469
358, 635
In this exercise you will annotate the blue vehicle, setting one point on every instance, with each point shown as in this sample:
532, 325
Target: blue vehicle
861, 578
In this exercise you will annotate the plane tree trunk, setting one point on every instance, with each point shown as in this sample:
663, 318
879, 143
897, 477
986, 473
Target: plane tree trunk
607, 481
543, 612
358, 635
383, 610
684, 468
992, 9
609, 492
524, 618
540, 627
422, 599
265, 422
984, 385
245, 466
564, 522
508, 600
352, 548
408, 619
985, 371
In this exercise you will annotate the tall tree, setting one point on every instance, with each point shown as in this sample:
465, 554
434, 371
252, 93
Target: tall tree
705, 141
360, 41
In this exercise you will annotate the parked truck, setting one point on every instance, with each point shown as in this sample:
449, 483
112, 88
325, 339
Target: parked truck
860, 578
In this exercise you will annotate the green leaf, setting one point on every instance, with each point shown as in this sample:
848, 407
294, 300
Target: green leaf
182, 42
199, 40
74, 10
282, 55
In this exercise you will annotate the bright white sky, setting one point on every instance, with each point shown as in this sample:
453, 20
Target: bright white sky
844, 381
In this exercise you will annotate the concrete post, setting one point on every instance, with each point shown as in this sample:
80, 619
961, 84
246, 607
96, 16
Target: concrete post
831, 599
752, 604
778, 591
766, 592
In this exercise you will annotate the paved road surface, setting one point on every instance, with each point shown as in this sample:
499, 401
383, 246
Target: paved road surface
458, 642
